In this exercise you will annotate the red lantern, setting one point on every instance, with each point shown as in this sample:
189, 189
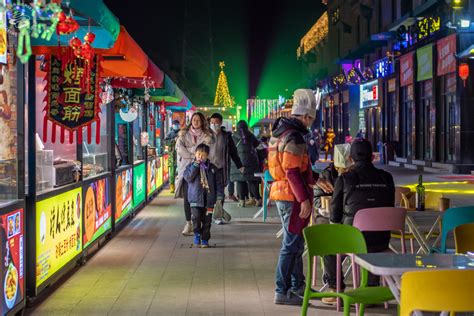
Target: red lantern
75, 43
464, 72
89, 37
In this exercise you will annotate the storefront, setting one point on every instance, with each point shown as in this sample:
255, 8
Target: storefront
408, 111
370, 119
12, 182
426, 108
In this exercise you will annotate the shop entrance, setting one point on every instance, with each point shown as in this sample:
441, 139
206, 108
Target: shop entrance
373, 120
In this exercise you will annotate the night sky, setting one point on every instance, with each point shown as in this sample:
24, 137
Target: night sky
257, 39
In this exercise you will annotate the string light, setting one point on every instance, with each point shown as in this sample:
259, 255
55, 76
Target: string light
317, 33
222, 97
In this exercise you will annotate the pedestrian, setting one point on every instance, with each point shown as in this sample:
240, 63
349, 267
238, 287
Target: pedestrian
224, 152
246, 181
313, 143
197, 132
360, 134
205, 187
290, 168
262, 153
329, 143
170, 142
364, 186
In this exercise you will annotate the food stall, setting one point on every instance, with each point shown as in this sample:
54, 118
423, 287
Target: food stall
12, 182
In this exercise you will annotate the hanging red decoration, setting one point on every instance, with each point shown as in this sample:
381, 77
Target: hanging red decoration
66, 24
70, 104
464, 72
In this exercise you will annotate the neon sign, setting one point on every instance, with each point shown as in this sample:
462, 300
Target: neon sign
383, 67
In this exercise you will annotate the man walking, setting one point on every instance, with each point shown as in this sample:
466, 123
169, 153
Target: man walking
292, 190
364, 186
223, 151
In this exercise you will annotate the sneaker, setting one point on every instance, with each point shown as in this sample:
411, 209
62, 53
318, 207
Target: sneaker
330, 300
241, 203
219, 222
227, 217
204, 244
233, 198
188, 229
289, 299
300, 290
197, 240
250, 202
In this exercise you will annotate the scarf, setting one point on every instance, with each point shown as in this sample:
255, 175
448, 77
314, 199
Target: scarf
195, 133
203, 173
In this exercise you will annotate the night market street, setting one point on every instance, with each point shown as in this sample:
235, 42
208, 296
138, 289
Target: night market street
149, 268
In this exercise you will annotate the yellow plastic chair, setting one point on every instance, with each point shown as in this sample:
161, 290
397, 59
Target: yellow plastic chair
437, 291
464, 238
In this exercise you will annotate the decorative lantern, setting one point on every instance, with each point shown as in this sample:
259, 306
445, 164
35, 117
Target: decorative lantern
464, 72
163, 111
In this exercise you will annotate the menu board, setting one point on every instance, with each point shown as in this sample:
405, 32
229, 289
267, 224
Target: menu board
151, 175
123, 194
97, 211
12, 263
139, 184
58, 233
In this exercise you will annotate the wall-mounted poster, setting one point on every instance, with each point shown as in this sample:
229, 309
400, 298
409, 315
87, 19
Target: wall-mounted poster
12, 263
151, 176
3, 34
159, 173
97, 211
139, 182
123, 194
58, 233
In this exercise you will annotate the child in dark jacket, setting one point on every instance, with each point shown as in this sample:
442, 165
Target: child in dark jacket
204, 189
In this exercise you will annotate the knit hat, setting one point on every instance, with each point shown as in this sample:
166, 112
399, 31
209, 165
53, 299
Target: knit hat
361, 150
304, 103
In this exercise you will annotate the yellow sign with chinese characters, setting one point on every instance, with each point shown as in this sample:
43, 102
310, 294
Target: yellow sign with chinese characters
58, 233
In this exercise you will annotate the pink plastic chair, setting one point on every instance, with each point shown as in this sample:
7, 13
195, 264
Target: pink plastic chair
379, 219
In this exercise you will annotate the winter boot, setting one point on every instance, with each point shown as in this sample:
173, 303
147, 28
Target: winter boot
188, 229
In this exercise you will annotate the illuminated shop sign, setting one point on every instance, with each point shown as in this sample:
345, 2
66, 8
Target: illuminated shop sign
369, 94
383, 67
423, 28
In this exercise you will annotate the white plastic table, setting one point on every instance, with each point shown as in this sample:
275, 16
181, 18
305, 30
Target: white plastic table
415, 220
392, 266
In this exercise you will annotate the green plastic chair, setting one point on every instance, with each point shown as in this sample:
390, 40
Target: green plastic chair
333, 239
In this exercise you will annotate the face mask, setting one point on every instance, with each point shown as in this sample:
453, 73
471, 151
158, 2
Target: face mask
215, 127
175, 127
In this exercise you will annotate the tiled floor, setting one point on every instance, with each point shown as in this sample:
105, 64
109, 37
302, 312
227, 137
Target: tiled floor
148, 268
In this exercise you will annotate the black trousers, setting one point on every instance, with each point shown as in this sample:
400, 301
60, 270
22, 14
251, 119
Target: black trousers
187, 207
243, 189
230, 188
201, 222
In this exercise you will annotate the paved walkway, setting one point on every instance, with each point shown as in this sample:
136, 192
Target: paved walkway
148, 268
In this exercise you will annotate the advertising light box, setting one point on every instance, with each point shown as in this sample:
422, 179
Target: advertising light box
151, 176
97, 211
123, 194
58, 233
139, 182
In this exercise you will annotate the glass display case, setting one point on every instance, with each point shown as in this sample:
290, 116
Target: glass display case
95, 157
57, 163
9, 133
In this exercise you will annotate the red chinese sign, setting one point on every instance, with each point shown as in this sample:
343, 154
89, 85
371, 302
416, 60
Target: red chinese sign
406, 70
72, 98
446, 55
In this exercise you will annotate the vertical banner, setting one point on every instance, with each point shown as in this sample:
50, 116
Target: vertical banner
58, 233
123, 194
3, 34
446, 55
97, 211
424, 58
406, 69
139, 179
13, 263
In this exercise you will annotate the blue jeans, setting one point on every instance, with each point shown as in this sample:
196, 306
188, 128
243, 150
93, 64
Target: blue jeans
289, 272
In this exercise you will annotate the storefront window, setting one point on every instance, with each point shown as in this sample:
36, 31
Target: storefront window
138, 128
9, 134
451, 118
95, 156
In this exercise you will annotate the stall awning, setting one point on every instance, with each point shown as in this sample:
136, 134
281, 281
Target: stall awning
124, 59
153, 78
103, 24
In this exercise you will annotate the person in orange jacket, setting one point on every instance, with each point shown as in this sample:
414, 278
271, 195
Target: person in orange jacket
292, 190
329, 145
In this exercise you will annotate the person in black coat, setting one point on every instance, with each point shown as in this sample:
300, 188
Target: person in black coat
246, 144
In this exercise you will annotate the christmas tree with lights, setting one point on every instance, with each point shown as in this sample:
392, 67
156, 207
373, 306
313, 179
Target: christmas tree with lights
223, 97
